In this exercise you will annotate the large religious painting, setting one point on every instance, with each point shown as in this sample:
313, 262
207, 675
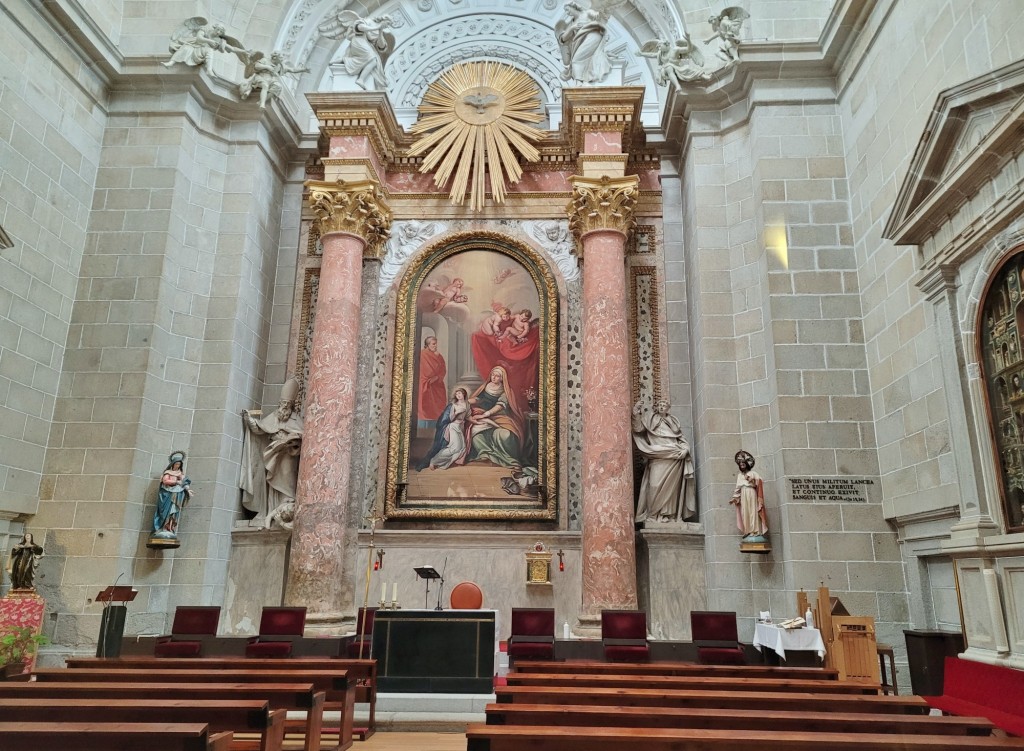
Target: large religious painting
1002, 356
473, 428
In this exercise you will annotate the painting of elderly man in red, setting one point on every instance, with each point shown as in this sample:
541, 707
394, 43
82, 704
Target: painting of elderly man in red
479, 309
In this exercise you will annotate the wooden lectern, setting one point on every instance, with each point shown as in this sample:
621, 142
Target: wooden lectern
115, 610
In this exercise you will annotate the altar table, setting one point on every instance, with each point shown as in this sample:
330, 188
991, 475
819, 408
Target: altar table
794, 639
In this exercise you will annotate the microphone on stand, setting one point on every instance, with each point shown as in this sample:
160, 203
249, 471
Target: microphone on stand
440, 589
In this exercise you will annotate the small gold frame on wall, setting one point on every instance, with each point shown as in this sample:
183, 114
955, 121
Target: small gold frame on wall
538, 565
486, 489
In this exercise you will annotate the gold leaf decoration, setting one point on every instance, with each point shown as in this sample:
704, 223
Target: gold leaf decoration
473, 120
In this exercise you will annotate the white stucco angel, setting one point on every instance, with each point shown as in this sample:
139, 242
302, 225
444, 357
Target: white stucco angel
194, 41
556, 239
581, 35
726, 26
680, 63
266, 74
369, 45
406, 238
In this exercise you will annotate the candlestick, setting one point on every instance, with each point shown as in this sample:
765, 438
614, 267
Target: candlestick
383, 592
394, 594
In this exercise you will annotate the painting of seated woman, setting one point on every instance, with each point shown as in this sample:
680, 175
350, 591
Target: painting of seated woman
486, 319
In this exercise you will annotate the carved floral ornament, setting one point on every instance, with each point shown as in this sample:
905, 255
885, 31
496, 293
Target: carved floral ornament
602, 203
356, 207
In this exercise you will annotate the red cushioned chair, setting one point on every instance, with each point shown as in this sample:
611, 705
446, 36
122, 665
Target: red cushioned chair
715, 635
276, 623
533, 634
624, 635
189, 620
364, 634
466, 596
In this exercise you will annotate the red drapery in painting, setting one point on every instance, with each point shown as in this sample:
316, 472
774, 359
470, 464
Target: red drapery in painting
518, 358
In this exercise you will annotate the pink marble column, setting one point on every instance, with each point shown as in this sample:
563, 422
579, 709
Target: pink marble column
609, 555
350, 218
601, 214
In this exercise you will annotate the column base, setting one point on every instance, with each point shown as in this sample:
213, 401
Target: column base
329, 624
974, 527
587, 627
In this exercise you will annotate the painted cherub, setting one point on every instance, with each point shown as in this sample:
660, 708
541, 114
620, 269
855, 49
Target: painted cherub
498, 322
519, 326
451, 293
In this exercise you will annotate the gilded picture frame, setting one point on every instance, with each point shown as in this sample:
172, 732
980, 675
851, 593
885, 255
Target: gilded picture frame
473, 302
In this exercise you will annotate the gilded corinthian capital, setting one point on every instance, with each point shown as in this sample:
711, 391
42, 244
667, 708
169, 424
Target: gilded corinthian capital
602, 203
353, 206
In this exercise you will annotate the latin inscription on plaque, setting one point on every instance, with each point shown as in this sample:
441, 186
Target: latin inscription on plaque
830, 489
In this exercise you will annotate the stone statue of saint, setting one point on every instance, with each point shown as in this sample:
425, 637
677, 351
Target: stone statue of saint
270, 455
581, 37
369, 45
23, 562
668, 490
266, 74
748, 498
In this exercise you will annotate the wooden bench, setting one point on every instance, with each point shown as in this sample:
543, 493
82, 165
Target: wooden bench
763, 700
674, 668
287, 696
339, 691
101, 736
740, 719
991, 691
248, 716
713, 683
482, 737
363, 673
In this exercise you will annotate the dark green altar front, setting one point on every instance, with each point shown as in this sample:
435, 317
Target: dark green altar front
434, 651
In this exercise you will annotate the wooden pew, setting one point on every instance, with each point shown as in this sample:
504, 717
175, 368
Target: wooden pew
363, 673
482, 737
101, 736
740, 719
339, 691
763, 700
713, 683
237, 715
287, 696
674, 668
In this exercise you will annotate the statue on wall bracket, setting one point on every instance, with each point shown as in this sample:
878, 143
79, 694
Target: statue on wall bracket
748, 498
172, 496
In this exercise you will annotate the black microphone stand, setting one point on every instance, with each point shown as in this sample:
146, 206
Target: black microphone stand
440, 589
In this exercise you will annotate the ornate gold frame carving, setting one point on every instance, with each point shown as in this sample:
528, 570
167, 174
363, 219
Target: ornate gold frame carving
396, 503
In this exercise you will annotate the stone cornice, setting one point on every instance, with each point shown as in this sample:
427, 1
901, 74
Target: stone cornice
362, 113
611, 109
355, 207
605, 203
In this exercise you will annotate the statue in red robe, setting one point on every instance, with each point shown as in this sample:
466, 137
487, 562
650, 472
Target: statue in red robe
433, 396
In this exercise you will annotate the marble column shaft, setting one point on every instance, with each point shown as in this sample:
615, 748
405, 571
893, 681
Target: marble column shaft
352, 219
601, 215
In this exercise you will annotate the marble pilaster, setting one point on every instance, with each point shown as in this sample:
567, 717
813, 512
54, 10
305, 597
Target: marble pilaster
353, 220
601, 214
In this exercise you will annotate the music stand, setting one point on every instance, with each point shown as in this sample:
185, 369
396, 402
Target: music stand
113, 618
427, 573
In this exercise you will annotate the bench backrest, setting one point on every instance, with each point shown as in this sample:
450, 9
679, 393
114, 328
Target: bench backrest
991, 685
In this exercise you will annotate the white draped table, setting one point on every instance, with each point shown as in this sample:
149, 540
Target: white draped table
780, 639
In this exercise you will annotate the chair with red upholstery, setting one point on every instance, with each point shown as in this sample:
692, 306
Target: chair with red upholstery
715, 635
624, 635
533, 634
363, 643
466, 596
189, 620
277, 623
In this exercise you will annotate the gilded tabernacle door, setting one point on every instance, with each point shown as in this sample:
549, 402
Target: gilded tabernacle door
473, 416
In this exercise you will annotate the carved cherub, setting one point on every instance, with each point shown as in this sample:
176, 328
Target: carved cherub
679, 63
726, 26
194, 41
267, 75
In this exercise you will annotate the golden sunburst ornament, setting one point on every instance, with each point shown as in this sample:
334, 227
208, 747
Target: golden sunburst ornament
475, 117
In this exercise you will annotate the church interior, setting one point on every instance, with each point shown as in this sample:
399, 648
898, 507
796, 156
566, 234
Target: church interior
436, 312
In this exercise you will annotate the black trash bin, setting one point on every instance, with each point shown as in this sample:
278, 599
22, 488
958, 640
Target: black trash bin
926, 653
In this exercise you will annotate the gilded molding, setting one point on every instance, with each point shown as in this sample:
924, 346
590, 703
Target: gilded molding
605, 203
357, 207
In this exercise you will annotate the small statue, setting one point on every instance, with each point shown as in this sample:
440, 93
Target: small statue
173, 495
267, 75
270, 456
680, 63
195, 39
726, 26
581, 36
668, 490
748, 498
23, 562
369, 45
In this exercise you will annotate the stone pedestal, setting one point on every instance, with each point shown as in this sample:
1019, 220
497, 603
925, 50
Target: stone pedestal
256, 573
671, 564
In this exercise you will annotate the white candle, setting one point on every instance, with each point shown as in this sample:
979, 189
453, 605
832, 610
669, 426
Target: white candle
394, 593
383, 591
